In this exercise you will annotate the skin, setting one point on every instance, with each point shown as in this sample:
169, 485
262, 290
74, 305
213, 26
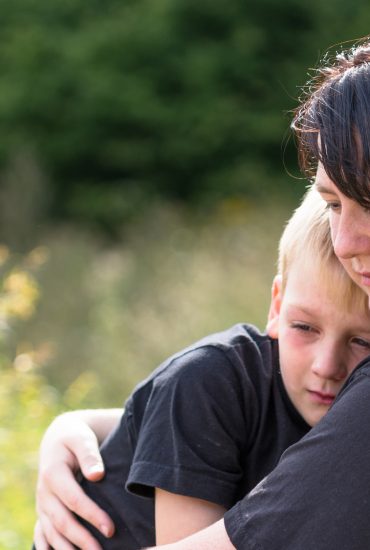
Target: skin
213, 537
71, 442
177, 517
350, 230
319, 343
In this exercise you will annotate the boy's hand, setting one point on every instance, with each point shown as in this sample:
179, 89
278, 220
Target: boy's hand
68, 445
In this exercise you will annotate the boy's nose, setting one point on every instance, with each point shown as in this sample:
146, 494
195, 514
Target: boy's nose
329, 364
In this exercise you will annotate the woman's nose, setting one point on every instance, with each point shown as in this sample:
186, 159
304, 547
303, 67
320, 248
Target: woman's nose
351, 236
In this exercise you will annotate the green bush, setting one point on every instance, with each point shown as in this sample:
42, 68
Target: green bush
120, 102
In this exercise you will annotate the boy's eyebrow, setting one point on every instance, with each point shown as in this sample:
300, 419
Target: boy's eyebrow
302, 309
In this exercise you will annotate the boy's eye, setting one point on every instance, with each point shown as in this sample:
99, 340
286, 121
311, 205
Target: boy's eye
361, 342
304, 327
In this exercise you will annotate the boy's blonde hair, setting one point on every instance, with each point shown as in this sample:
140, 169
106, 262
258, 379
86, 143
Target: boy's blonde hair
306, 240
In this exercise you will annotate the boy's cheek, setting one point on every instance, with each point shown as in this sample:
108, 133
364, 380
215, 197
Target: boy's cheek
295, 338
289, 339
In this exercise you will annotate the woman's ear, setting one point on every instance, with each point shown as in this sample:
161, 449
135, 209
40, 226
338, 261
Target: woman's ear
272, 327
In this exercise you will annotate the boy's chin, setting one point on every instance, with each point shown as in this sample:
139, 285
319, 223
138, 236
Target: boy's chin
315, 417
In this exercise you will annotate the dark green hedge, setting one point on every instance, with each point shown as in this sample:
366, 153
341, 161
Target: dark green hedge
122, 101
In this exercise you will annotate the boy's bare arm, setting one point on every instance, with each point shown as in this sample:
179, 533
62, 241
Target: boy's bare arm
71, 443
178, 516
211, 538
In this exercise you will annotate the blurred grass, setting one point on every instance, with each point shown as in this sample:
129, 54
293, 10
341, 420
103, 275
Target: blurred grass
102, 316
118, 310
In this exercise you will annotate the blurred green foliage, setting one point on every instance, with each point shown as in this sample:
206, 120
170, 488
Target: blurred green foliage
27, 401
120, 102
26, 405
118, 310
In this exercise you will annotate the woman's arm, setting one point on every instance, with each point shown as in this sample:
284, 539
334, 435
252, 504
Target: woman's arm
71, 443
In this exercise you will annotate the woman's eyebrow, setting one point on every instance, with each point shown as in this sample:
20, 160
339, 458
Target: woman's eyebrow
320, 188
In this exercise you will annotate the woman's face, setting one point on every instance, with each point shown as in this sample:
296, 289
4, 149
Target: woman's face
350, 230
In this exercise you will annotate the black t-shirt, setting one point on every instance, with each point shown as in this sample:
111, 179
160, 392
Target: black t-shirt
318, 497
210, 423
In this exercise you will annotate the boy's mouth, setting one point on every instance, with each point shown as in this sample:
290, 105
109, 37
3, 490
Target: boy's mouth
365, 277
322, 398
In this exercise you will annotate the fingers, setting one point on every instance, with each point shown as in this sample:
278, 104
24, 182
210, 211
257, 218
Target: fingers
64, 494
47, 532
62, 531
88, 456
40, 542
68, 447
42, 533
82, 444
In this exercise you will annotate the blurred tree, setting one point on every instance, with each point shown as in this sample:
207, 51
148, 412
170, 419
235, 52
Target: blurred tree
123, 101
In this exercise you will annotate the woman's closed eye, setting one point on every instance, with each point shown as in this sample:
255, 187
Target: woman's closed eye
333, 206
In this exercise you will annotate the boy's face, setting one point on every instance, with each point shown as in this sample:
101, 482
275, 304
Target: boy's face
350, 230
319, 343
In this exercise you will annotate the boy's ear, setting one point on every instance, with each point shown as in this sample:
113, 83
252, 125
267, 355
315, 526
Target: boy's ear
272, 327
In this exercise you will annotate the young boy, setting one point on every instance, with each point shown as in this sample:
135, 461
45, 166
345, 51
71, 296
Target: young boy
210, 423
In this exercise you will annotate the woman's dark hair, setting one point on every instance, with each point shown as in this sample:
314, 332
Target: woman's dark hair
332, 123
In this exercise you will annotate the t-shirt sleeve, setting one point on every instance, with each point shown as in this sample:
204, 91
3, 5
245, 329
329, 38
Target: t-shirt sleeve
318, 497
194, 429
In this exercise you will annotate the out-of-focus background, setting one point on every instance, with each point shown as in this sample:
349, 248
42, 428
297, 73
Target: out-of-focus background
145, 177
